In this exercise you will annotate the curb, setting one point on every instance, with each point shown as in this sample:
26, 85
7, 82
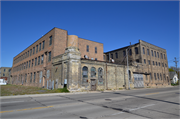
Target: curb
72, 93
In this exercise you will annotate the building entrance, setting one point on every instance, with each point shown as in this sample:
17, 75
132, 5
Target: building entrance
93, 84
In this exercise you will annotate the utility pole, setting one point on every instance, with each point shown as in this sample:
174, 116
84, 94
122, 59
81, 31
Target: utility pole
176, 63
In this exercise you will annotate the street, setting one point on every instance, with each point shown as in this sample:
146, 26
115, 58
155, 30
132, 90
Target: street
137, 103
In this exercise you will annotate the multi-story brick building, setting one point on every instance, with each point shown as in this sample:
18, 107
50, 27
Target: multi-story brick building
150, 60
57, 59
35, 62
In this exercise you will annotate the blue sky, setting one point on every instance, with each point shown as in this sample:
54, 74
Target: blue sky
115, 24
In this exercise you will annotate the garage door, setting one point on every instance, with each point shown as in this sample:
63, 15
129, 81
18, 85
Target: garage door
138, 81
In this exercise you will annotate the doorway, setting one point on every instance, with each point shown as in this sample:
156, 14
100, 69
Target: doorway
93, 84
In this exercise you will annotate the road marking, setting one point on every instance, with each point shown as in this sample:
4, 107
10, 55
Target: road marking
134, 109
152, 93
26, 109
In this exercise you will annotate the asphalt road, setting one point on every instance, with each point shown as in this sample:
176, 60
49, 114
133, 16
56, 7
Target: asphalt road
140, 103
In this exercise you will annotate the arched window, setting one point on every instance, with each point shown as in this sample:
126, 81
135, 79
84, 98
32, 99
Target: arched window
100, 75
93, 72
85, 75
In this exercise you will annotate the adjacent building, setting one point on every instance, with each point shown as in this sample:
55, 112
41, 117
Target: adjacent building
151, 61
5, 73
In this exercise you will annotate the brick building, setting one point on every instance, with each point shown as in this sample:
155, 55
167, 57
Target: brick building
151, 60
36, 61
57, 60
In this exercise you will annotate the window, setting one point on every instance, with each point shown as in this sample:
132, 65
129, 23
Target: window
85, 75
116, 55
158, 54
32, 62
34, 77
35, 61
43, 45
26, 64
42, 58
87, 48
159, 64
93, 72
50, 40
49, 59
156, 64
95, 49
107, 57
40, 47
152, 52
164, 56
136, 50
162, 65
33, 50
112, 56
124, 53
36, 48
39, 60
30, 52
147, 51
3, 74
149, 62
165, 65
144, 61
104, 57
31, 78
154, 76
130, 52
158, 76
4, 70
25, 78
161, 56
29, 63
153, 63
137, 60
95, 58
143, 51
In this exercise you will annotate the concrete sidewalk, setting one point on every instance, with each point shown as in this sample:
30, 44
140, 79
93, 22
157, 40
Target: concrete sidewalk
71, 93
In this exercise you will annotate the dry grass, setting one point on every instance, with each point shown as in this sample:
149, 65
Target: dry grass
7, 90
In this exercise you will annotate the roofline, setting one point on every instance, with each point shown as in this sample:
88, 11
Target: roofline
120, 48
153, 44
90, 40
36, 41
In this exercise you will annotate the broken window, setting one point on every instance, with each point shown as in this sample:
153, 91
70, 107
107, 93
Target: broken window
93, 72
85, 75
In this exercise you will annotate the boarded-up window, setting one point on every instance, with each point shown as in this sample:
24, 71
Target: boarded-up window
100, 76
48, 74
40, 76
